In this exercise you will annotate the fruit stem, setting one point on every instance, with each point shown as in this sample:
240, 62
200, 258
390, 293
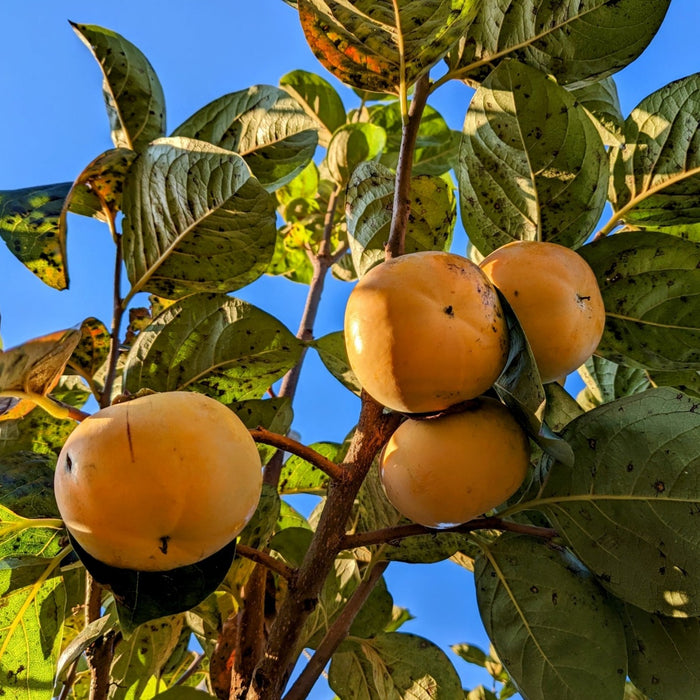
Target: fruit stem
402, 190
336, 633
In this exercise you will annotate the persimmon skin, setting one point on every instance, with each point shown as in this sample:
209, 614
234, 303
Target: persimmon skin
555, 295
159, 482
446, 471
425, 331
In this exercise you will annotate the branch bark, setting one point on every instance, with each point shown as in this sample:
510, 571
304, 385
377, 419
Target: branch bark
266, 560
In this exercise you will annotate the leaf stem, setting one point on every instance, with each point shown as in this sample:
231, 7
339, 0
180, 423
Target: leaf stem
306, 453
54, 408
336, 633
402, 189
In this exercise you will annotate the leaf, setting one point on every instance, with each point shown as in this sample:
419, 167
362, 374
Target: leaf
71, 390
553, 627
23, 537
351, 145
687, 382
331, 350
319, 100
31, 621
26, 485
576, 42
608, 381
436, 144
217, 233
30, 225
298, 476
182, 693
531, 165
471, 654
264, 125
651, 290
274, 414
133, 94
601, 101
561, 407
37, 432
215, 344
366, 45
663, 654
628, 506
393, 665
92, 350
656, 176
370, 198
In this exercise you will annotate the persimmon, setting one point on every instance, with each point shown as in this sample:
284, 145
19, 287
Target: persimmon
158, 482
555, 295
425, 331
447, 470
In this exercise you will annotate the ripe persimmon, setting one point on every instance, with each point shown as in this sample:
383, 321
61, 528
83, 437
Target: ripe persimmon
425, 331
158, 482
555, 295
448, 470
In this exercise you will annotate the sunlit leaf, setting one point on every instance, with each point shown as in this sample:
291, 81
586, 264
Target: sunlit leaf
651, 290
601, 101
264, 125
26, 484
532, 165
132, 91
217, 234
331, 349
215, 344
92, 350
275, 414
298, 476
351, 145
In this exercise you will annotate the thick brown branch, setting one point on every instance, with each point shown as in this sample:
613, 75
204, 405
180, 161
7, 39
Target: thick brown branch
400, 532
266, 560
337, 632
404, 168
306, 453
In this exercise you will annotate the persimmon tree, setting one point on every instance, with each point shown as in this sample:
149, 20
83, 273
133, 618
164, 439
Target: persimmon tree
588, 577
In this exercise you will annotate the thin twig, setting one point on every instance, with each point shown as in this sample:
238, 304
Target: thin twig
400, 532
306, 453
266, 560
336, 633
191, 669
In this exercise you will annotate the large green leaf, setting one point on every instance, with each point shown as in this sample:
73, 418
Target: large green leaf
688, 382
215, 344
576, 41
351, 145
319, 100
37, 432
602, 102
31, 622
656, 175
31, 226
532, 165
370, 198
365, 44
629, 505
650, 284
396, 666
263, 124
552, 625
195, 220
132, 91
607, 381
664, 654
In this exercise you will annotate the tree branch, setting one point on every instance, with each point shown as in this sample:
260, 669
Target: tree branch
306, 453
400, 532
337, 632
404, 168
266, 560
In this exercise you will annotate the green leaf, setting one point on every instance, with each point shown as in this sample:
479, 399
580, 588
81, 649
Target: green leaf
31, 622
351, 145
264, 125
375, 614
182, 693
218, 234
651, 290
663, 654
298, 476
31, 226
607, 381
576, 42
436, 144
26, 484
215, 344
628, 507
471, 654
37, 432
688, 382
370, 198
551, 624
561, 407
532, 165
22, 537
656, 176
71, 390
331, 350
365, 44
92, 349
393, 665
274, 414
132, 91
602, 102
319, 100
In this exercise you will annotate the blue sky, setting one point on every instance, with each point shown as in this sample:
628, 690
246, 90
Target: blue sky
53, 123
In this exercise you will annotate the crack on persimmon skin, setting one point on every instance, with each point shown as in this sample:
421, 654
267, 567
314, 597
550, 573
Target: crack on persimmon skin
128, 437
164, 544
69, 464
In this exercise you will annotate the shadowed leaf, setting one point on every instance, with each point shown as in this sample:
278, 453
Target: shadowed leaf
331, 350
601, 101
351, 145
607, 381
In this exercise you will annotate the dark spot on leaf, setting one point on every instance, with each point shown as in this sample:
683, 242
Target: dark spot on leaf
660, 486
534, 589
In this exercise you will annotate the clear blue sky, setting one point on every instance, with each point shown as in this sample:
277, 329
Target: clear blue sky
53, 123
